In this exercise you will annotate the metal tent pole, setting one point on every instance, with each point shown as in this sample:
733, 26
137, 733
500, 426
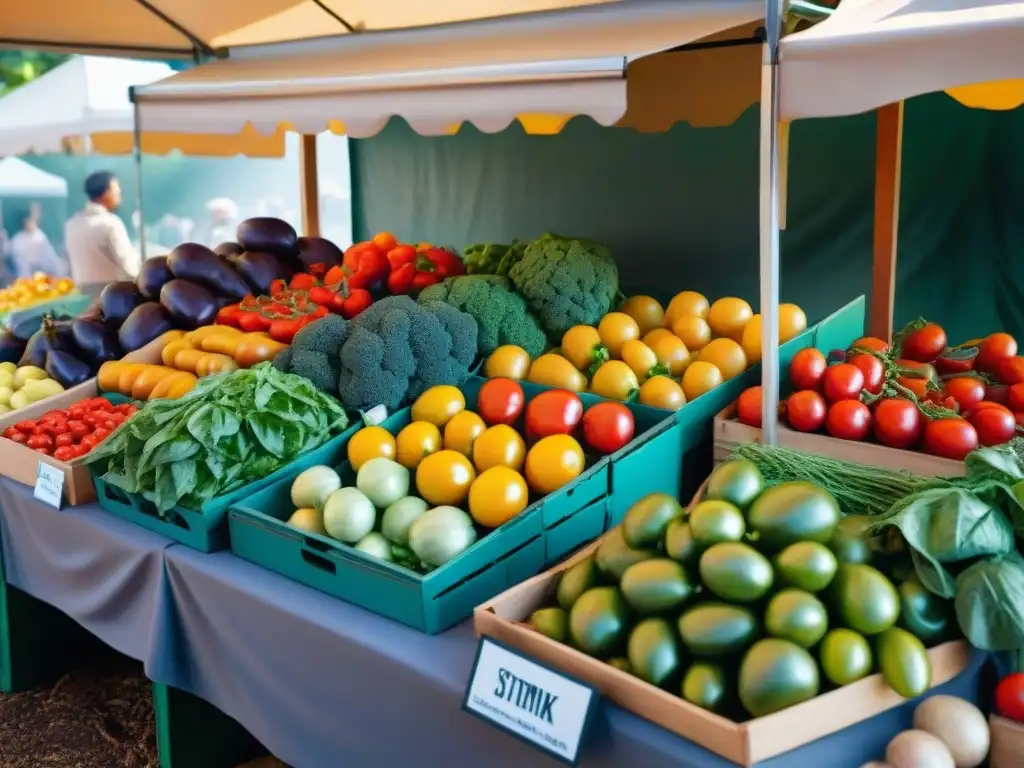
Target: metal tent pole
769, 219
137, 156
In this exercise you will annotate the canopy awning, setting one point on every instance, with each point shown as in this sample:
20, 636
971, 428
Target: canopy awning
21, 179
539, 68
875, 52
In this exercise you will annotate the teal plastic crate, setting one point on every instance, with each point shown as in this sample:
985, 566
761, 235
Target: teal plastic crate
205, 529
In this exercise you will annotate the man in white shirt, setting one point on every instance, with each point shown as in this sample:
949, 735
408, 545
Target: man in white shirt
96, 239
32, 251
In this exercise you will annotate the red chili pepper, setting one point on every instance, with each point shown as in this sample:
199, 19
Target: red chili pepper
284, 330
400, 279
253, 321
229, 315
278, 287
322, 296
302, 282
400, 255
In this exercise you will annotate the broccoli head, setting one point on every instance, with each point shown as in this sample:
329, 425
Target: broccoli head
501, 314
314, 352
396, 349
566, 282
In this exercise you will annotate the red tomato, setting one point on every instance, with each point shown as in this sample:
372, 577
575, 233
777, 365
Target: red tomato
987, 404
924, 344
805, 411
43, 429
64, 439
64, 453
994, 348
25, 426
100, 434
968, 391
19, 437
994, 426
500, 401
949, 438
76, 412
1010, 697
1019, 417
607, 427
956, 361
40, 441
1015, 397
92, 419
1010, 370
88, 443
748, 407
873, 370
843, 382
109, 424
10, 432
870, 342
997, 393
848, 420
44, 451
898, 423
806, 369
79, 429
554, 412
99, 404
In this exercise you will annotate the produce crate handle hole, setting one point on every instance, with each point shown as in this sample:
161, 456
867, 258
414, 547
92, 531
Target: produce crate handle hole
318, 561
319, 546
115, 495
489, 566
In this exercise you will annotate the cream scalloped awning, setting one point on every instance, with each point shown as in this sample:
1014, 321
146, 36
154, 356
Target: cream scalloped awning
540, 69
875, 52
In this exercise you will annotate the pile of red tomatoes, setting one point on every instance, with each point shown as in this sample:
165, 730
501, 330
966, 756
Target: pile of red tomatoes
922, 395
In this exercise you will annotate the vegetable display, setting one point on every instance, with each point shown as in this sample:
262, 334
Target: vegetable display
39, 288
70, 433
24, 385
230, 430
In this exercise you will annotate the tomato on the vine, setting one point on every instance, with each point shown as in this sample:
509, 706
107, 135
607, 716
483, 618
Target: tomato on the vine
1010, 697
925, 344
843, 381
748, 407
986, 404
1015, 397
950, 438
807, 368
968, 391
992, 349
994, 426
1010, 370
806, 410
607, 427
871, 342
848, 420
898, 423
873, 370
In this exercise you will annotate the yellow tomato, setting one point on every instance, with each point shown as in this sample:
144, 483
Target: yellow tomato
552, 462
582, 346
499, 446
646, 311
693, 331
615, 329
672, 353
444, 478
641, 359
662, 392
726, 355
699, 378
438, 405
370, 443
792, 321
415, 441
651, 337
614, 380
686, 304
727, 317
507, 362
497, 495
751, 340
462, 431
556, 371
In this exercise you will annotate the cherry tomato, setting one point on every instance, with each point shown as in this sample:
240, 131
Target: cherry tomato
554, 412
79, 429
968, 391
100, 434
748, 407
873, 370
1019, 417
843, 382
870, 342
25, 426
924, 344
64, 453
1014, 397
805, 411
992, 349
607, 427
109, 424
100, 404
43, 429
64, 439
88, 443
949, 438
44, 451
500, 401
807, 369
956, 361
898, 423
56, 415
997, 393
848, 420
18, 437
986, 404
10, 432
994, 426
92, 419
1010, 370
77, 412
40, 441
1010, 697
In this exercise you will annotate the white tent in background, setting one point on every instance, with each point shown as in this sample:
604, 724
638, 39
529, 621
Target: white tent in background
86, 95
20, 179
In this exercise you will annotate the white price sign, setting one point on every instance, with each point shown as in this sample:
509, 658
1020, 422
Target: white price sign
49, 485
532, 702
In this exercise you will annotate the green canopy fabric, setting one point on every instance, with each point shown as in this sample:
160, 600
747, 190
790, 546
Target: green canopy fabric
680, 209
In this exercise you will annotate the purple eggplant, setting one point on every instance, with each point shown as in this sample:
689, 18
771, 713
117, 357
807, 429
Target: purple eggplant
229, 249
66, 369
11, 347
118, 300
260, 270
152, 276
93, 312
97, 340
319, 250
265, 234
191, 261
60, 335
36, 350
145, 323
189, 305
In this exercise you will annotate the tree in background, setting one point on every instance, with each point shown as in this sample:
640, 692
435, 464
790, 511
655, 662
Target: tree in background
19, 67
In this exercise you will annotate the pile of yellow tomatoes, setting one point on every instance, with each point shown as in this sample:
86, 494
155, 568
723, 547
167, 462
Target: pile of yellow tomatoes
661, 357
26, 291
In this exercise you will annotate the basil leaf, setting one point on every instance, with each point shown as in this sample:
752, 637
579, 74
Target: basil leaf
990, 604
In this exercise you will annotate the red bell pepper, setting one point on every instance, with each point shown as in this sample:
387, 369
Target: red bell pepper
302, 282
401, 255
349, 302
322, 296
443, 262
354, 255
373, 266
423, 280
400, 279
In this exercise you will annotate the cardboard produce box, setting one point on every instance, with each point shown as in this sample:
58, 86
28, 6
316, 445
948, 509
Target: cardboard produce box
744, 743
730, 433
1007, 743
21, 463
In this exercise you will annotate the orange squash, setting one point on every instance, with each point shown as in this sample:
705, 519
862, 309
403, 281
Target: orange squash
212, 363
148, 379
255, 348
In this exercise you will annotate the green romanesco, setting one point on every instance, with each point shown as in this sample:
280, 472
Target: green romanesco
501, 314
314, 353
396, 349
566, 282
492, 258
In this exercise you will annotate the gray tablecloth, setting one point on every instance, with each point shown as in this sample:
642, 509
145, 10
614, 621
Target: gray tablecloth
105, 573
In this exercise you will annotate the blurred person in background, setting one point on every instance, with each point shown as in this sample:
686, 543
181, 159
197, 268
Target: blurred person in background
96, 239
222, 213
31, 249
